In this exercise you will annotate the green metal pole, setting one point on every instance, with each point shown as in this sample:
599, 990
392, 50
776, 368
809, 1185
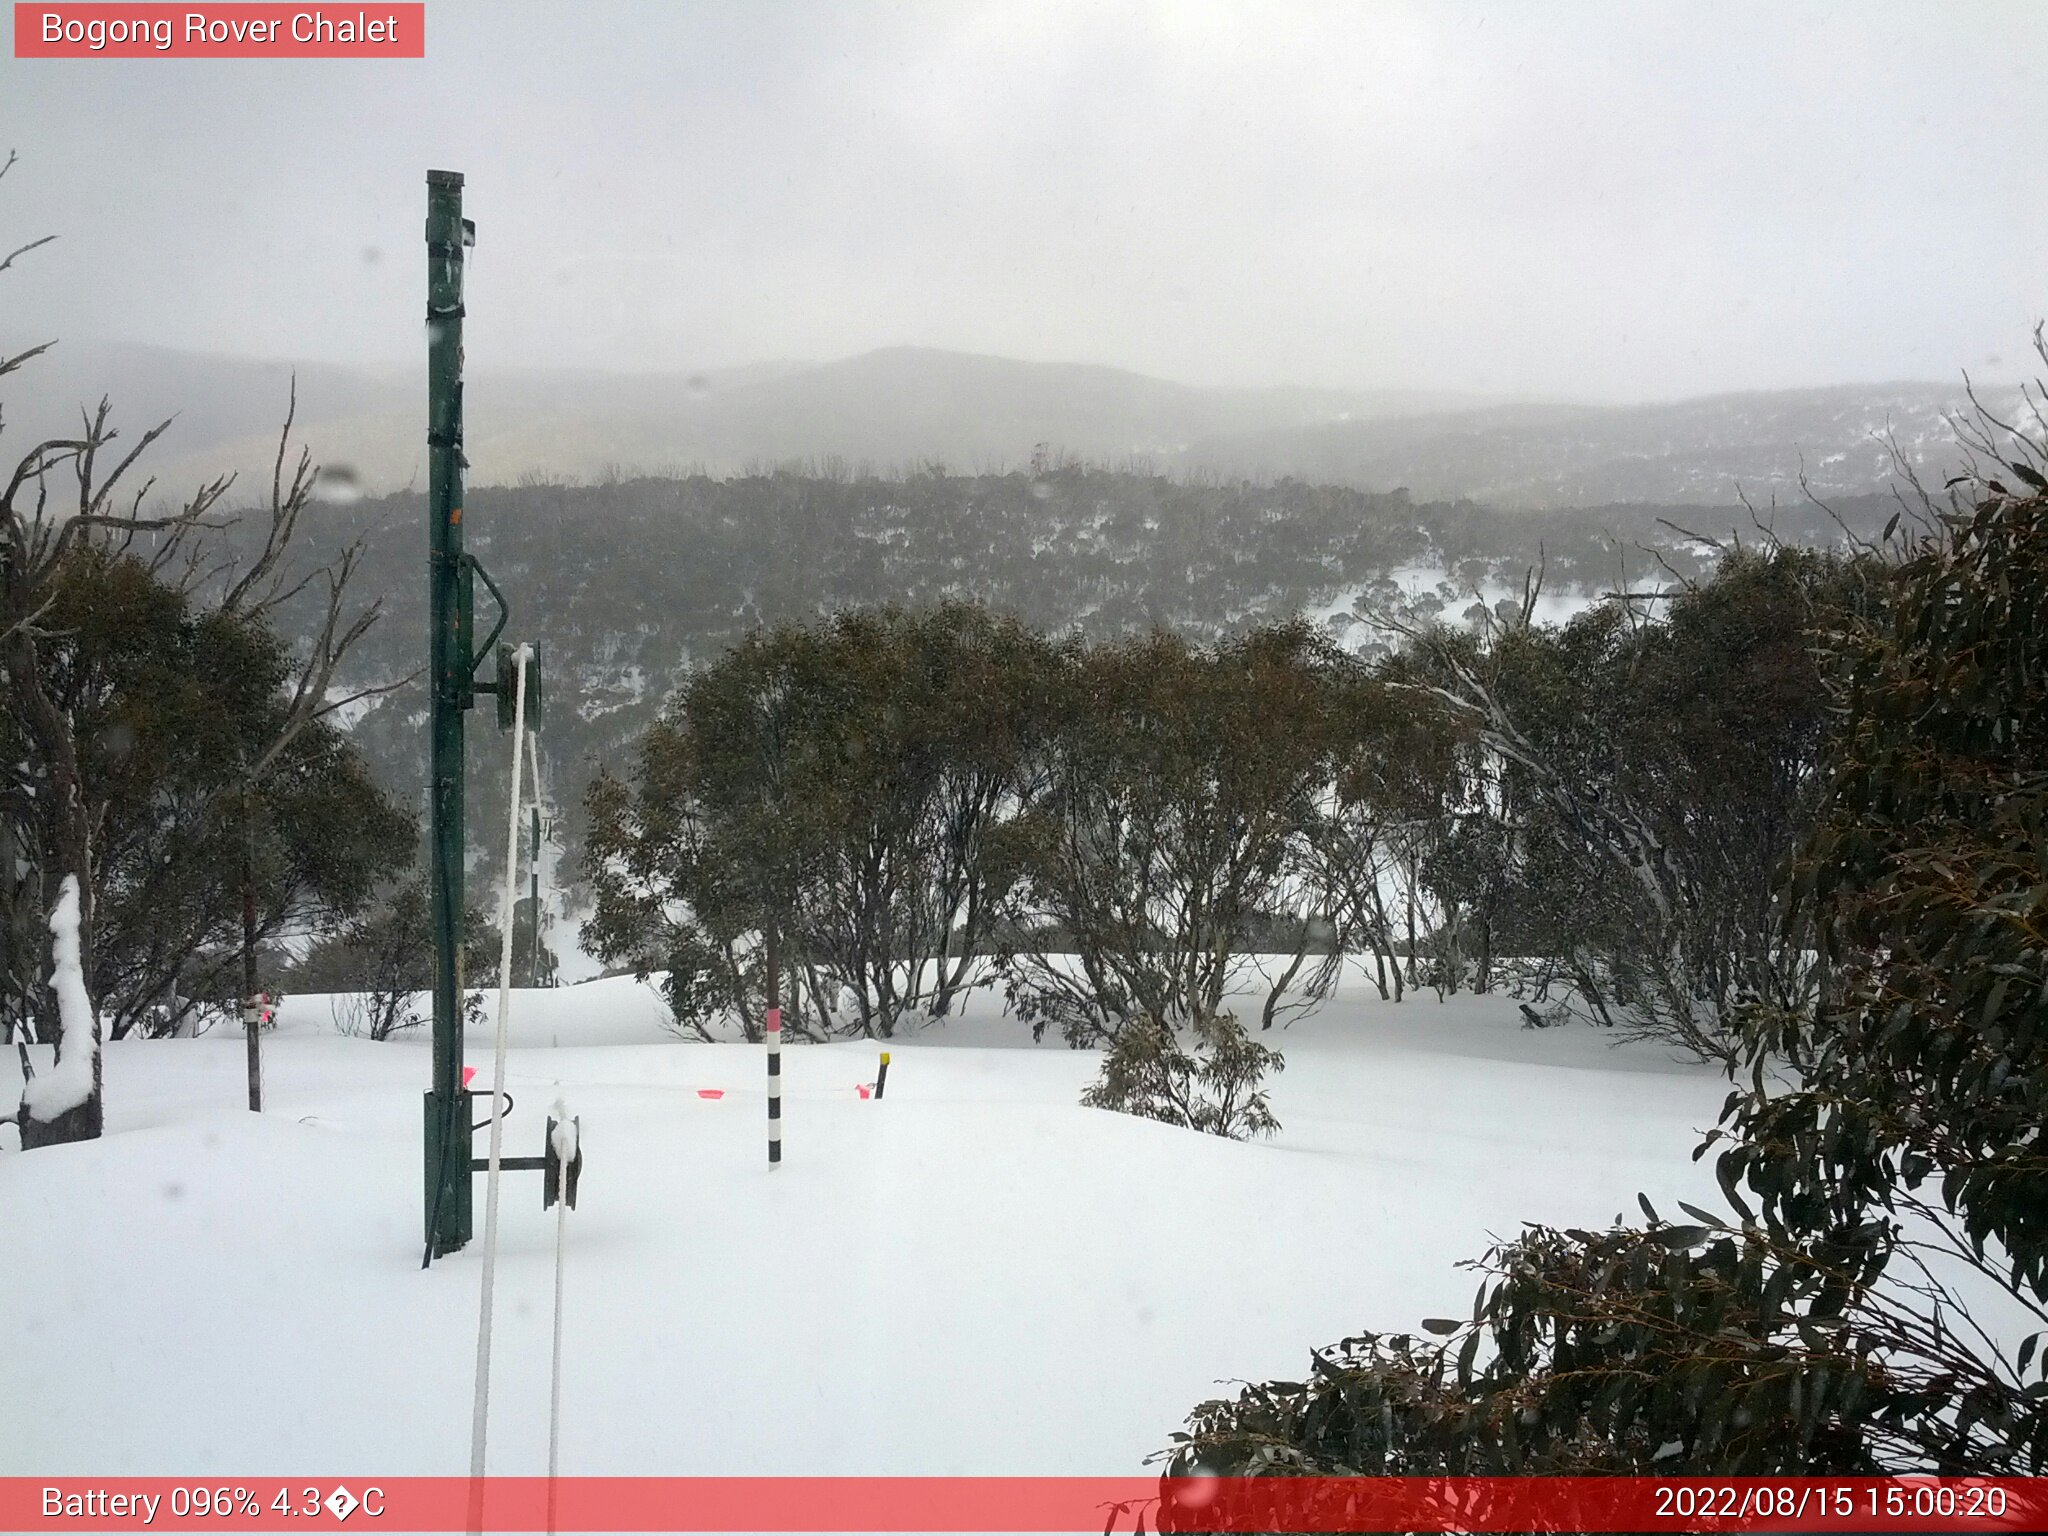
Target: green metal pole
449, 668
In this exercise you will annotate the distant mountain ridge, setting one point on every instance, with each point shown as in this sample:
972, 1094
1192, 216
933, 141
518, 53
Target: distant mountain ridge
903, 407
1833, 441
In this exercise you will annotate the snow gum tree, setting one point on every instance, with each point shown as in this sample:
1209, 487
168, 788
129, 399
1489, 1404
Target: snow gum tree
148, 703
1186, 793
168, 699
1640, 785
838, 783
1878, 1298
381, 962
1399, 779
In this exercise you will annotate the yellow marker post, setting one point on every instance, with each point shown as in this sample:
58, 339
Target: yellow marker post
882, 1077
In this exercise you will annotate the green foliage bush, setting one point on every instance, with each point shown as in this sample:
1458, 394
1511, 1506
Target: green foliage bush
1211, 1084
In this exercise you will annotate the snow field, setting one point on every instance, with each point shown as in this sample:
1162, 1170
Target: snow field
976, 1276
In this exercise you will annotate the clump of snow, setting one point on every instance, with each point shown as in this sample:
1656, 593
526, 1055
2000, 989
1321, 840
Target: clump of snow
68, 1084
564, 1134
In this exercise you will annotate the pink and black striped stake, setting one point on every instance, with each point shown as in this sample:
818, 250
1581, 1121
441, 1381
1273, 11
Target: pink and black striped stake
774, 1087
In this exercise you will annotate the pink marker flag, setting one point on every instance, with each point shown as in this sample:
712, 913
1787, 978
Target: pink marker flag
468, 1076
710, 1093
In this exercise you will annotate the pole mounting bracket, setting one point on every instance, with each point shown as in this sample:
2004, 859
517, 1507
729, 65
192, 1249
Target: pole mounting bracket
471, 566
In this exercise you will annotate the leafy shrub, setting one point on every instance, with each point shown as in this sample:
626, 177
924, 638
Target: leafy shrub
1211, 1085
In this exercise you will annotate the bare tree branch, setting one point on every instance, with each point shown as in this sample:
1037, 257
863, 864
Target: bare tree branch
259, 589
9, 364
23, 250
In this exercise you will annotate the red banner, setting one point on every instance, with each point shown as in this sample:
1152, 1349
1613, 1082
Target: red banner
1051, 1504
249, 31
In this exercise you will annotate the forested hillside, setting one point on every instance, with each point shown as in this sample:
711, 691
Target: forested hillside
627, 585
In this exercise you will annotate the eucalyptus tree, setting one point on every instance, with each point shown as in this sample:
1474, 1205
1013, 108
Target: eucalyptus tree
74, 512
838, 785
1650, 775
1184, 813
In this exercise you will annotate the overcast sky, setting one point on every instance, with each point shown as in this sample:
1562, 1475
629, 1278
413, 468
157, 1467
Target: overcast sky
1586, 201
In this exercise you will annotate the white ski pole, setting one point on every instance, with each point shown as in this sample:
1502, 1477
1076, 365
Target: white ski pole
481, 1408
565, 1153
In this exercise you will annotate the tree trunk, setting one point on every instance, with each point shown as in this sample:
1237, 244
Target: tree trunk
1411, 921
83, 1122
252, 1015
73, 838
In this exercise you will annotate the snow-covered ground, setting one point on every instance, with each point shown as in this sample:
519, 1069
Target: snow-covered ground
975, 1276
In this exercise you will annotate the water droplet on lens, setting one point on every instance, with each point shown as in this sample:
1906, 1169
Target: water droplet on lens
337, 485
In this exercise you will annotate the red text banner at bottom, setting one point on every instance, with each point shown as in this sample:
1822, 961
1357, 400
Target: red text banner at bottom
1051, 1504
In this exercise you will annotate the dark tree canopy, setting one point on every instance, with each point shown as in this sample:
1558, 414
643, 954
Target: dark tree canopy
836, 784
171, 700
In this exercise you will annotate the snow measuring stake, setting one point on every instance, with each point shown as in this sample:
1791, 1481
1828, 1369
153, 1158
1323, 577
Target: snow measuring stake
452, 661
